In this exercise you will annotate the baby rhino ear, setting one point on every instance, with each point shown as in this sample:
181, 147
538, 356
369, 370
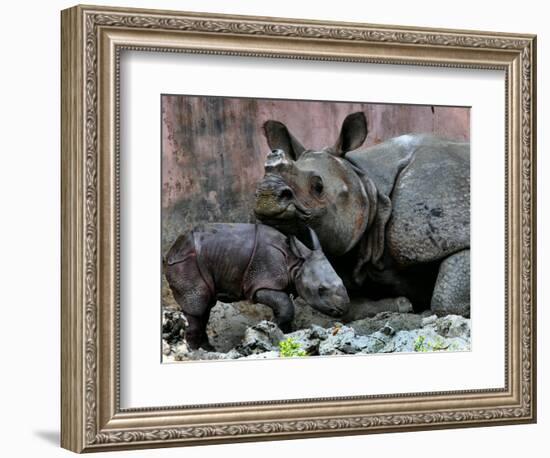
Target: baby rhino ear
298, 248
353, 133
315, 244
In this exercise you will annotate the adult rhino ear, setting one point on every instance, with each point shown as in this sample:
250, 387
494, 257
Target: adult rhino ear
298, 248
278, 137
353, 133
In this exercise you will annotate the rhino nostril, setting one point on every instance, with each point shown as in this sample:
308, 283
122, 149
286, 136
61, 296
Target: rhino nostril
285, 194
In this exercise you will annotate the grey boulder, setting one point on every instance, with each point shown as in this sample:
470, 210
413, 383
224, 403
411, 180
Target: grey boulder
344, 340
228, 322
395, 321
261, 338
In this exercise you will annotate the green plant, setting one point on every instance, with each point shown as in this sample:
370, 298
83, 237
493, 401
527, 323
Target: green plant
421, 345
289, 348
439, 344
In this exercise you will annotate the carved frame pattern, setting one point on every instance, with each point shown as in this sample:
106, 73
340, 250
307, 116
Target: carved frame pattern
81, 228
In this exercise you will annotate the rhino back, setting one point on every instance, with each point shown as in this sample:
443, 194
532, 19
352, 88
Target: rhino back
431, 204
383, 162
224, 251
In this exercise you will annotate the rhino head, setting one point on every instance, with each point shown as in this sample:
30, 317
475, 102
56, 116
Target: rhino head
316, 281
316, 188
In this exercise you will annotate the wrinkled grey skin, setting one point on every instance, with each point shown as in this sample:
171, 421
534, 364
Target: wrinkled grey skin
387, 216
232, 262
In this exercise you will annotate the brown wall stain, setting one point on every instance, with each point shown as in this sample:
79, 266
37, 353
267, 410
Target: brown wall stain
213, 148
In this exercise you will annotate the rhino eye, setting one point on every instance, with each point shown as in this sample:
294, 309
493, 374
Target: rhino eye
317, 185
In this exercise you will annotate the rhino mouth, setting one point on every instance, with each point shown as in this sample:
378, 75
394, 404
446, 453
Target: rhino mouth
334, 307
290, 212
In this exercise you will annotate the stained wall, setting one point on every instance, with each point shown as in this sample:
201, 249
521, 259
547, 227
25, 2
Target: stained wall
213, 148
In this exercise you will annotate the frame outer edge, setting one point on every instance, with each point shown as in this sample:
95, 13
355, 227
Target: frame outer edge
81, 377
72, 228
533, 253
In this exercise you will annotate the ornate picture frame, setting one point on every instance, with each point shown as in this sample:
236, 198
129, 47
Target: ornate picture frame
93, 39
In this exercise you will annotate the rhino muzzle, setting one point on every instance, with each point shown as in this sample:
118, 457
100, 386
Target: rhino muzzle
274, 197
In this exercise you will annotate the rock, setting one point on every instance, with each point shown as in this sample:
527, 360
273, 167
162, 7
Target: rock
428, 320
233, 354
343, 340
366, 326
305, 316
244, 331
453, 326
174, 324
263, 337
404, 341
228, 322
317, 332
203, 355
265, 355
386, 320
396, 332
403, 321
459, 344
181, 351
379, 342
427, 340
307, 340
360, 308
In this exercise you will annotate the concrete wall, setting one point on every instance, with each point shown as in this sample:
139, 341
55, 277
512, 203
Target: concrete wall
213, 148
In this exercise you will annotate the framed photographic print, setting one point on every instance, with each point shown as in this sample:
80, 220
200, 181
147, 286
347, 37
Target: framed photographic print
277, 228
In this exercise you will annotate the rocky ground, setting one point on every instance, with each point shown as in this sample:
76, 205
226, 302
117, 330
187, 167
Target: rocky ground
244, 330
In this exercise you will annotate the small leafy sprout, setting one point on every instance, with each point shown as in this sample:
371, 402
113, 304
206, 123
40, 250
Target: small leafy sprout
439, 344
421, 345
289, 348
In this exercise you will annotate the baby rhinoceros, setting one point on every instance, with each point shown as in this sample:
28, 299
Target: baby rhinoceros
232, 262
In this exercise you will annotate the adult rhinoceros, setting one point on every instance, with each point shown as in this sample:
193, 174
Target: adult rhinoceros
393, 218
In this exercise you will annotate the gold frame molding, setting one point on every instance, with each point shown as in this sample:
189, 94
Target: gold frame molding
92, 40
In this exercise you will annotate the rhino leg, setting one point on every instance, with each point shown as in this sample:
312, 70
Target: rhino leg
280, 303
452, 288
195, 334
195, 299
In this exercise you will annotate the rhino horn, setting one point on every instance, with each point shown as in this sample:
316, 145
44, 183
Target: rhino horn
276, 160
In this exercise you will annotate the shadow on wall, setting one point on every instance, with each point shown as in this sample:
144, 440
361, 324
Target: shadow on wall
51, 437
213, 148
